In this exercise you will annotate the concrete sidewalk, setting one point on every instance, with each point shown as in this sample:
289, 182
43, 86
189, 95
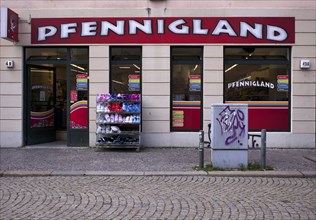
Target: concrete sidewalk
49, 160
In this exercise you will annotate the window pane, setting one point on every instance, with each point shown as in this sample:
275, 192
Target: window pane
187, 53
264, 85
256, 53
79, 97
46, 53
42, 102
125, 78
186, 88
125, 53
256, 82
125, 70
79, 54
186, 82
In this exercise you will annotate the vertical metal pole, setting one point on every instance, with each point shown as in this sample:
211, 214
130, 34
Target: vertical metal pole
263, 149
201, 149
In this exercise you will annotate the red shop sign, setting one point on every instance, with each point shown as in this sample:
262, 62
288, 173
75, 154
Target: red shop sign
9, 25
172, 30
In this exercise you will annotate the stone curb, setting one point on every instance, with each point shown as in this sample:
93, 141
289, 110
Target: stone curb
309, 174
280, 174
26, 173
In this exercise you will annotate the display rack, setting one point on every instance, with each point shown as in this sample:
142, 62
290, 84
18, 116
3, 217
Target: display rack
118, 121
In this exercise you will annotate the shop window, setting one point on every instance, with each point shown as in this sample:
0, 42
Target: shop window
259, 77
46, 54
186, 89
79, 54
125, 73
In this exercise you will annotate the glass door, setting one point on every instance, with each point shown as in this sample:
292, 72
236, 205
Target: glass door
78, 93
41, 105
57, 91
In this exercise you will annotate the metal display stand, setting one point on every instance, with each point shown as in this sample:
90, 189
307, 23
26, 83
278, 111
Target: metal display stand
118, 121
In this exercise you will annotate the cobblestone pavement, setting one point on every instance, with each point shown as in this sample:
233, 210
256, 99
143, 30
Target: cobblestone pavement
156, 197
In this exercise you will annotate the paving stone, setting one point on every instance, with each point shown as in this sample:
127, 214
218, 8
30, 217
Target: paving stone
156, 197
148, 160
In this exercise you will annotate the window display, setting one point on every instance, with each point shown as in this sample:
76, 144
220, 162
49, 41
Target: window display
186, 88
79, 96
259, 77
125, 70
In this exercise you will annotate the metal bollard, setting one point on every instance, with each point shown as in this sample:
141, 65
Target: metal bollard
263, 149
201, 149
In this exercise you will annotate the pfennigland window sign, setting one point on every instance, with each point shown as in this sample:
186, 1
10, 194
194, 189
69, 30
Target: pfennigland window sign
188, 30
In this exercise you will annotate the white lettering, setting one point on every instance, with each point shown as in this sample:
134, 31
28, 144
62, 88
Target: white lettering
276, 33
134, 25
88, 28
197, 27
173, 27
256, 31
47, 31
223, 27
161, 28
247, 83
170, 26
67, 29
118, 28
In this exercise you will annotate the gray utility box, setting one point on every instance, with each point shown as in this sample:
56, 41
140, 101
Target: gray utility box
229, 135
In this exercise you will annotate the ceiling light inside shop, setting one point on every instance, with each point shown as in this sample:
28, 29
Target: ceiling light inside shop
137, 67
124, 67
196, 66
230, 68
79, 67
118, 82
41, 71
79, 71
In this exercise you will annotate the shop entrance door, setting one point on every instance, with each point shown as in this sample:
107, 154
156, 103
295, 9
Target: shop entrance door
41, 104
56, 95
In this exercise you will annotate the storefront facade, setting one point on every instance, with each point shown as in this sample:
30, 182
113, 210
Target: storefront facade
181, 59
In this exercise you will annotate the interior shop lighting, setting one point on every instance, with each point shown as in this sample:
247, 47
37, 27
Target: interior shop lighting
76, 66
41, 71
124, 67
196, 66
79, 71
243, 79
230, 68
137, 67
248, 56
118, 82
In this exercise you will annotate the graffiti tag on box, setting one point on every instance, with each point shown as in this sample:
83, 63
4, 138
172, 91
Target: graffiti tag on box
232, 121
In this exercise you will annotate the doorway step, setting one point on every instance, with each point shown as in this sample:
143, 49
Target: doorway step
61, 135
